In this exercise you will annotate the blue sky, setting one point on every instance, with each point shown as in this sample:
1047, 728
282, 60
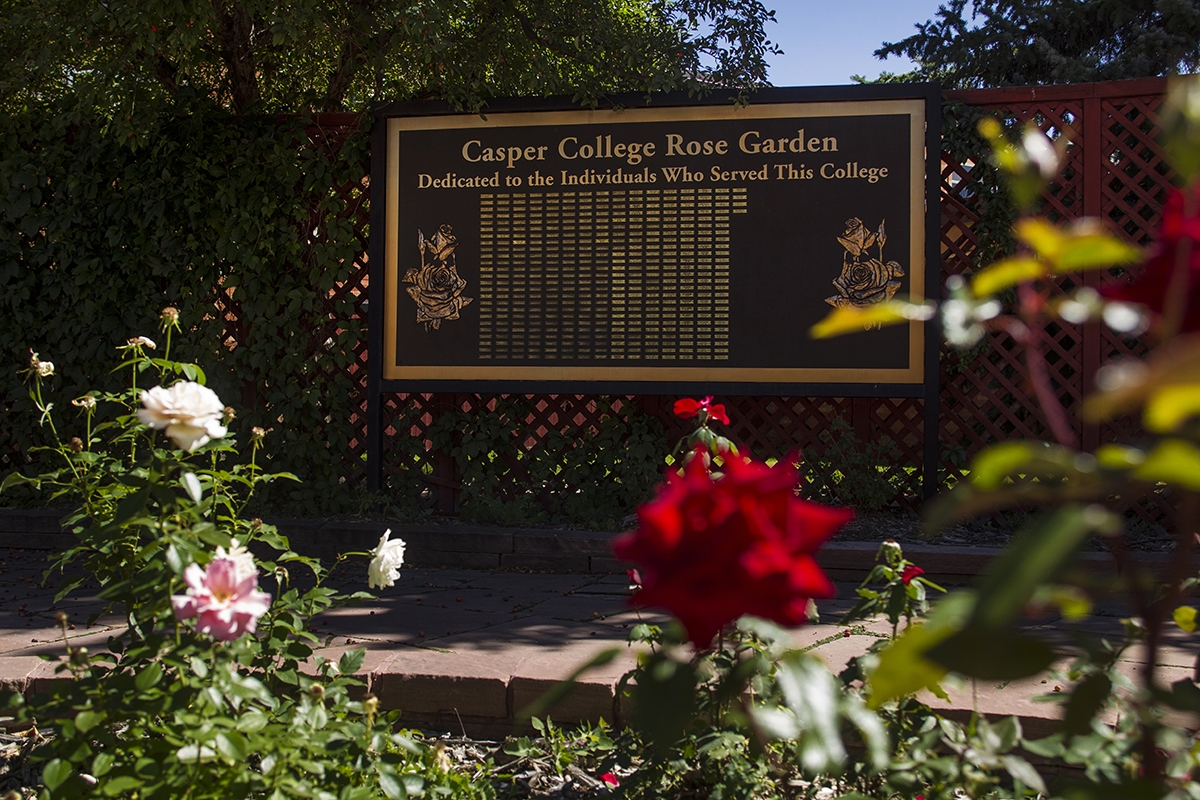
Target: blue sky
827, 41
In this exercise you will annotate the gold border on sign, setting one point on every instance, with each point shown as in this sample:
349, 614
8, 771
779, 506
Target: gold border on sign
913, 374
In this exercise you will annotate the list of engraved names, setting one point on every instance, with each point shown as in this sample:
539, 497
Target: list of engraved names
606, 275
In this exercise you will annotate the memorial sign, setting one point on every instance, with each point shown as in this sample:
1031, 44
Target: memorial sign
676, 247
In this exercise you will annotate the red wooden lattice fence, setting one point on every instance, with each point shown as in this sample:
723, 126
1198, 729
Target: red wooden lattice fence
1115, 170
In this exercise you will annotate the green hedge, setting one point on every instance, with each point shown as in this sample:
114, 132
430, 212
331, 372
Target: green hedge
98, 234
242, 215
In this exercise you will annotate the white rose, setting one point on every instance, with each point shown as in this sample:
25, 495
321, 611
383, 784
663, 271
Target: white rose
386, 560
243, 560
190, 413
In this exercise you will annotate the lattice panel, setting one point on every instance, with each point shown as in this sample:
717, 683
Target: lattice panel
986, 395
1138, 178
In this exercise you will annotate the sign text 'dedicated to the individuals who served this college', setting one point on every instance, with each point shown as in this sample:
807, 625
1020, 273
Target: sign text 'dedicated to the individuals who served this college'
692, 244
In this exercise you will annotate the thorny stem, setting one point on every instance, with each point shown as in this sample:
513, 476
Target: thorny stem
41, 405
62, 624
1031, 335
48, 418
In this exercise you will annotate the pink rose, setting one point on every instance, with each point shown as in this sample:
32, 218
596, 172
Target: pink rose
226, 601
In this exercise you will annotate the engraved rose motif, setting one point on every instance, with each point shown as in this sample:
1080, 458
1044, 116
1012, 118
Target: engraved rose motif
865, 279
438, 289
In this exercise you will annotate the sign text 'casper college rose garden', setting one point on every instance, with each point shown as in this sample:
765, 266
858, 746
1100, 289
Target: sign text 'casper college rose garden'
671, 247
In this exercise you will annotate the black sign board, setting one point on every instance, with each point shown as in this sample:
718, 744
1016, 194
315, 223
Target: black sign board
674, 246
656, 246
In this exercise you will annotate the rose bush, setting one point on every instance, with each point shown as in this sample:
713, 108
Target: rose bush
239, 704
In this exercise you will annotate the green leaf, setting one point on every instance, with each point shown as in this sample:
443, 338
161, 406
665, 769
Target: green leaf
811, 694
992, 654
1168, 407
1172, 461
1119, 457
55, 773
1086, 701
1008, 730
903, 668
1044, 237
1081, 246
991, 467
1071, 601
232, 745
150, 676
193, 753
987, 646
1021, 770
1095, 250
1185, 617
1036, 554
252, 721
390, 785
856, 319
173, 560
1184, 695
118, 785
15, 479
1001, 275
102, 763
896, 602
871, 727
664, 701
131, 506
86, 720
1050, 747
351, 661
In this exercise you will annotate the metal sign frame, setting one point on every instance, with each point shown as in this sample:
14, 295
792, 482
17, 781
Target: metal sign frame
443, 303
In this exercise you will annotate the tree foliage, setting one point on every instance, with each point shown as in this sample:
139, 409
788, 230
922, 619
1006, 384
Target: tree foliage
980, 43
272, 56
156, 153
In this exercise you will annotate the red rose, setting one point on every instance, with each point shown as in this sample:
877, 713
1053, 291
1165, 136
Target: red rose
1179, 227
635, 580
610, 779
688, 408
717, 411
711, 550
910, 572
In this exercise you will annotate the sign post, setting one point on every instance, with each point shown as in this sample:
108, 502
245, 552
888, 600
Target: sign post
674, 246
